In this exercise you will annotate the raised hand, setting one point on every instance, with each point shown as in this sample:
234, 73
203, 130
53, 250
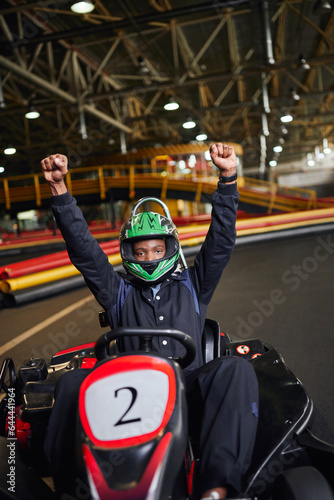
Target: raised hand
223, 156
54, 169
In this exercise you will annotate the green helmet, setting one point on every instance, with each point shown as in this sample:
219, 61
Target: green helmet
144, 226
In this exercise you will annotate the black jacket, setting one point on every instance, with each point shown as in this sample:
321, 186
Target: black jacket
183, 298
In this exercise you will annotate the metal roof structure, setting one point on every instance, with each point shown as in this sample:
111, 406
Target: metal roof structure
100, 80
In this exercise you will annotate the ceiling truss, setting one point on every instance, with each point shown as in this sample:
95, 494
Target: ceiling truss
108, 73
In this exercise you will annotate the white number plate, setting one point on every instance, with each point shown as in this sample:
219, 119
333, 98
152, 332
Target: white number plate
127, 404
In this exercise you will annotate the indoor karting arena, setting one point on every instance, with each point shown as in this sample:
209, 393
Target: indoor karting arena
166, 250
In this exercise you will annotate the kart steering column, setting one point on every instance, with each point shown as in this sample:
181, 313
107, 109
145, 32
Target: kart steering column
145, 335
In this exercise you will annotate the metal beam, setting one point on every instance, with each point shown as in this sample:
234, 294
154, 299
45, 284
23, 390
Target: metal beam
311, 23
103, 63
236, 73
188, 10
40, 82
321, 49
19, 8
68, 46
9, 36
210, 77
279, 47
205, 47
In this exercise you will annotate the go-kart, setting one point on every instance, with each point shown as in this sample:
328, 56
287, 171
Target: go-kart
134, 404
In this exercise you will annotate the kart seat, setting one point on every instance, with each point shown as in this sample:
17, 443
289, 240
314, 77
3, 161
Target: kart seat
210, 340
216, 344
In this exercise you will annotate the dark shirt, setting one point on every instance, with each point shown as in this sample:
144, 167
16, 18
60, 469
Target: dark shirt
183, 298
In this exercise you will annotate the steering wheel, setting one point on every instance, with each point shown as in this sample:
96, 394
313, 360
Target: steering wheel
146, 335
7, 366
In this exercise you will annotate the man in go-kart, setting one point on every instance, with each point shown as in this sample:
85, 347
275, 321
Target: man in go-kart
156, 292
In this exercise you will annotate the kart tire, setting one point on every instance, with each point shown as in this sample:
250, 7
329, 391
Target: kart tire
302, 483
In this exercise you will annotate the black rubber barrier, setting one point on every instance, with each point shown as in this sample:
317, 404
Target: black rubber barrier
43, 292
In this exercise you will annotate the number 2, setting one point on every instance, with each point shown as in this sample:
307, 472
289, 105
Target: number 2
134, 397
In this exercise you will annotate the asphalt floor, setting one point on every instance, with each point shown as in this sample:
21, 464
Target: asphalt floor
280, 292
283, 293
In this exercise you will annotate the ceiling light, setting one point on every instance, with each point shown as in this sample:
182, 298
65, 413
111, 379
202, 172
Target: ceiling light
143, 68
272, 163
278, 149
171, 105
286, 118
322, 7
310, 160
207, 155
303, 63
189, 123
201, 137
32, 114
10, 151
295, 95
83, 7
325, 148
192, 161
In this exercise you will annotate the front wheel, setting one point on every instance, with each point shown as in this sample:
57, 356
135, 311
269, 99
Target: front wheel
302, 483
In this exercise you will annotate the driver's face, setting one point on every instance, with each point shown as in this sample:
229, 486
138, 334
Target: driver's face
145, 250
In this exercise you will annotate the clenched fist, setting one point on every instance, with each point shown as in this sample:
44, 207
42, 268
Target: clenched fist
54, 169
223, 156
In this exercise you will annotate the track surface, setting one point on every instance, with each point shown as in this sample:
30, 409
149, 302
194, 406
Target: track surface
279, 292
